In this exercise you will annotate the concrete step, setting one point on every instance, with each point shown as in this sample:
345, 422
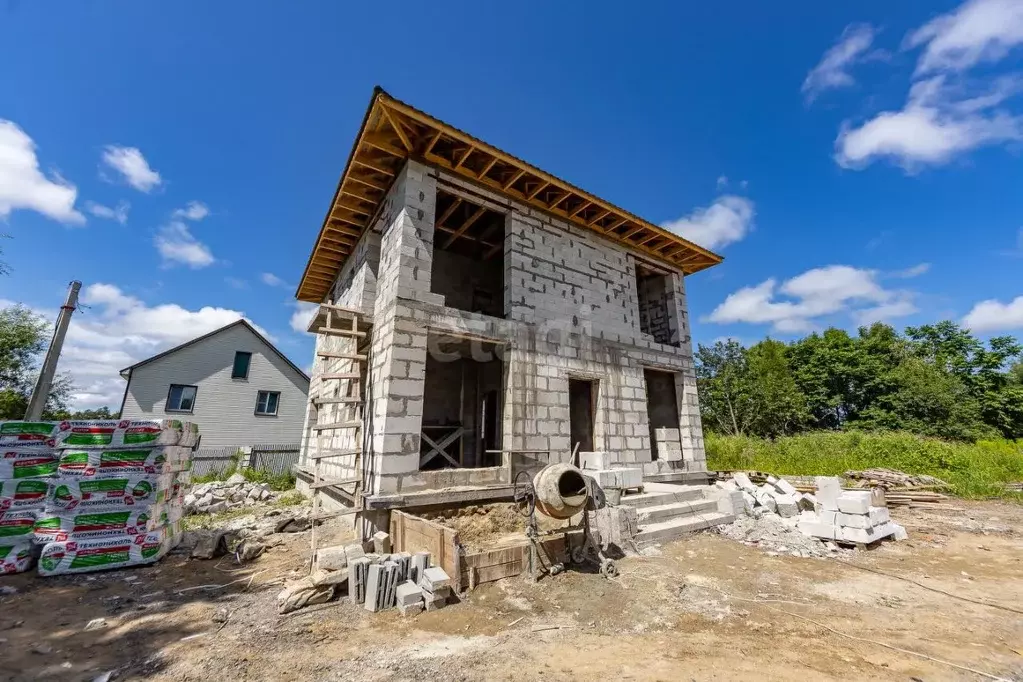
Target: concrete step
657, 498
665, 531
663, 512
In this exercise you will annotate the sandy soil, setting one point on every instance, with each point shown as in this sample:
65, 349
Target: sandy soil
702, 608
487, 526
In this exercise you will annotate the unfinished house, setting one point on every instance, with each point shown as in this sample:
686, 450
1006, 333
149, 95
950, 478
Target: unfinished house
475, 312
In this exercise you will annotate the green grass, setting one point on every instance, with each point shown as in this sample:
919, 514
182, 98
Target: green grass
976, 470
290, 499
285, 481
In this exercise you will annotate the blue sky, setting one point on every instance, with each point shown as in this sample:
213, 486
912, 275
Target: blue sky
851, 161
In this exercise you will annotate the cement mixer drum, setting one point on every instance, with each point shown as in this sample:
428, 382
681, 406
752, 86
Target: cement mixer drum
560, 491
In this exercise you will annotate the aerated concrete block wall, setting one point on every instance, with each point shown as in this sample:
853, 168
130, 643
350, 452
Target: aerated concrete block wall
572, 311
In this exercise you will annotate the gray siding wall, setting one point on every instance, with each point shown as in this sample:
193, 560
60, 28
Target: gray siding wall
224, 407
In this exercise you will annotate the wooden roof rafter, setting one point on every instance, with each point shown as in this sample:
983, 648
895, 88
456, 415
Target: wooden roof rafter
392, 132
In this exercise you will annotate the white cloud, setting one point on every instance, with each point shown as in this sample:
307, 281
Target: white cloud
133, 167
194, 211
993, 315
722, 181
117, 330
303, 315
176, 244
24, 186
118, 213
909, 273
729, 219
833, 70
977, 31
796, 305
272, 280
236, 283
937, 123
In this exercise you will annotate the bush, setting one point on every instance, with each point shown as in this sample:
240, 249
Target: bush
974, 470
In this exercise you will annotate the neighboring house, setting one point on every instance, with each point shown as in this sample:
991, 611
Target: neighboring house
232, 382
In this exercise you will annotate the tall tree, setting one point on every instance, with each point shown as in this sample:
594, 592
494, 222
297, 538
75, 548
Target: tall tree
722, 375
780, 405
22, 340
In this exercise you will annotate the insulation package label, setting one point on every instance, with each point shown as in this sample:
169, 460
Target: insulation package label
27, 463
17, 525
26, 433
56, 526
110, 491
23, 493
125, 433
149, 460
82, 556
15, 557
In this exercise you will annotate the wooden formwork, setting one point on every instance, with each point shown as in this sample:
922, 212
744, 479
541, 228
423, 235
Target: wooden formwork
410, 533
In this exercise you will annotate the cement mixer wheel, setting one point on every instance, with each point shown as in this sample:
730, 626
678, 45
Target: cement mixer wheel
608, 569
524, 494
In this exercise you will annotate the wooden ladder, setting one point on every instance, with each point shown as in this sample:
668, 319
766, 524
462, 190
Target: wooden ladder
343, 389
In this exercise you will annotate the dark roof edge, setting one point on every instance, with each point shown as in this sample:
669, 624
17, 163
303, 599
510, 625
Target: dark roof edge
241, 321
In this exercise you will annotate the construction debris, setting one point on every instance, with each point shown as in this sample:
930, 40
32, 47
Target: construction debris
376, 581
843, 516
217, 497
847, 515
892, 478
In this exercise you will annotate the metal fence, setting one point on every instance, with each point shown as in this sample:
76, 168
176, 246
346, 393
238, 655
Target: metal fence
273, 459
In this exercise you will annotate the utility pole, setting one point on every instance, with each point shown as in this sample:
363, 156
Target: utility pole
45, 381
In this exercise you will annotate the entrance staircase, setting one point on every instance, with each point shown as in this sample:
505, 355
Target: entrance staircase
666, 512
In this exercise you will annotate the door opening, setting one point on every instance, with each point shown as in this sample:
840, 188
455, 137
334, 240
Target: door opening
581, 398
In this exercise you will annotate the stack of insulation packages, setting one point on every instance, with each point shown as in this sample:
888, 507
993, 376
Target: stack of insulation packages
89, 495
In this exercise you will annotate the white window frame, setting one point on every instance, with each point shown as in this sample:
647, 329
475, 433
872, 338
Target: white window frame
277, 404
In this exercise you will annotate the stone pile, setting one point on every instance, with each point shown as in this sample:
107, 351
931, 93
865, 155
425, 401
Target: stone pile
378, 581
843, 516
848, 515
216, 497
776, 496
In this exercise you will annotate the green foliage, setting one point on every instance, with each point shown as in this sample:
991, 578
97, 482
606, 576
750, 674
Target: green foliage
23, 338
972, 470
938, 380
98, 413
285, 481
290, 499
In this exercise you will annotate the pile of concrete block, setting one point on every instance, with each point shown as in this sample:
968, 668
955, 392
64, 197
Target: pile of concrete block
608, 471
378, 580
668, 444
776, 496
848, 515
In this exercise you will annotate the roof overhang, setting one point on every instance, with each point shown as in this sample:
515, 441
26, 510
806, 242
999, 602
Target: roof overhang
392, 132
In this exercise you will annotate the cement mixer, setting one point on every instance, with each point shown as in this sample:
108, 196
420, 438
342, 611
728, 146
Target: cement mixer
560, 491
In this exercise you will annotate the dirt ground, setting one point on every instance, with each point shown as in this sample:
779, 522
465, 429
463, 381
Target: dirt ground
488, 526
703, 608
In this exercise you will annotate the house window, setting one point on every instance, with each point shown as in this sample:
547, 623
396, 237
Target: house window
180, 398
241, 365
267, 402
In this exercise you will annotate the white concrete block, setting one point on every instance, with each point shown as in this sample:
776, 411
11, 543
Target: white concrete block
742, 480
879, 515
899, 531
828, 517
787, 506
854, 502
375, 587
408, 593
434, 578
783, 486
381, 542
818, 530
864, 535
420, 562
807, 501
749, 502
630, 478
828, 490
597, 460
